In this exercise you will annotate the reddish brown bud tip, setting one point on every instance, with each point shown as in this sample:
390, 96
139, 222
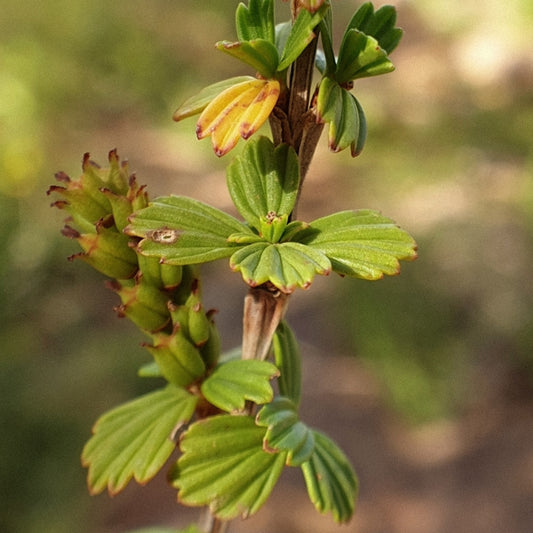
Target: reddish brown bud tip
62, 176
70, 232
113, 156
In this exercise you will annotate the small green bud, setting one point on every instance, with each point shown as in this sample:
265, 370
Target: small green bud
178, 359
198, 325
79, 199
272, 226
106, 251
143, 304
123, 205
160, 275
210, 350
180, 317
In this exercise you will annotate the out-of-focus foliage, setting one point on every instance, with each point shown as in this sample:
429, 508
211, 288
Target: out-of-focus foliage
449, 132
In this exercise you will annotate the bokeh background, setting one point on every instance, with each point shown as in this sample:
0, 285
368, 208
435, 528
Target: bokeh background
425, 379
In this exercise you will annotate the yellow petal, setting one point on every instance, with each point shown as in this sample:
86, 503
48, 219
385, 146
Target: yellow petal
226, 131
259, 110
237, 112
220, 106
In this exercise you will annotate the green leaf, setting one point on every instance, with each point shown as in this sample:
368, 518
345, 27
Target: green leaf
331, 482
225, 467
361, 244
283, 30
260, 54
288, 360
301, 35
347, 122
182, 231
325, 59
330, 479
379, 25
244, 238
360, 56
197, 103
263, 180
134, 439
255, 21
286, 265
285, 432
234, 382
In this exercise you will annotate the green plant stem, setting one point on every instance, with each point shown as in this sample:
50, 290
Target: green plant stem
264, 306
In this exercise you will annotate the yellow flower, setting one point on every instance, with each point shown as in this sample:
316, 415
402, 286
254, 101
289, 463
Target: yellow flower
238, 111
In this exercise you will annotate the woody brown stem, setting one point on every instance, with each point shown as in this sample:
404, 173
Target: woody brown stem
264, 307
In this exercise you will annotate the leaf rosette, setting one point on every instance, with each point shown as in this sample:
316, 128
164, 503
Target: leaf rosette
263, 184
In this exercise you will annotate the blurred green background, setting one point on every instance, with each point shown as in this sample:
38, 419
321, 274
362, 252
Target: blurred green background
448, 156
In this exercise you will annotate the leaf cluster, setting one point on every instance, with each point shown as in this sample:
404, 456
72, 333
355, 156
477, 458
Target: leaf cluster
237, 107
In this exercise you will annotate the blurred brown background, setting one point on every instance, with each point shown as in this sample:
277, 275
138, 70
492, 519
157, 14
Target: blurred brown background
425, 379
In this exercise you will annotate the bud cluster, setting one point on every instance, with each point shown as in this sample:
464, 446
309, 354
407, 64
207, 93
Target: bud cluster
162, 300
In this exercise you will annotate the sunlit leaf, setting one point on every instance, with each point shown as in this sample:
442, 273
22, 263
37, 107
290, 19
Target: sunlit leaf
197, 103
182, 230
347, 123
234, 382
287, 357
225, 467
285, 431
237, 112
361, 243
286, 265
301, 35
255, 20
360, 56
264, 180
134, 439
330, 479
260, 54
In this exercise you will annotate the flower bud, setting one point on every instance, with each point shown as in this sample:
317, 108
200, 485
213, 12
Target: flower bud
210, 350
199, 329
106, 251
143, 304
80, 201
179, 360
123, 205
160, 275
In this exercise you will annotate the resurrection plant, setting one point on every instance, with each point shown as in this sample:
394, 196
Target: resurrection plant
236, 432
